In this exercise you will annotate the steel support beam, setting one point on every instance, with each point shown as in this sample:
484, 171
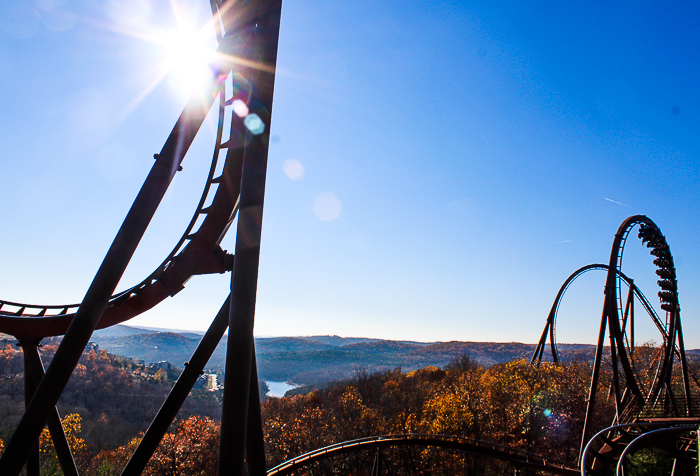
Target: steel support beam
255, 441
684, 370
178, 394
239, 351
33, 363
33, 464
595, 377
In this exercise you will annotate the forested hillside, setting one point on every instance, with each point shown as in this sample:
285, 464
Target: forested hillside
115, 396
534, 409
312, 360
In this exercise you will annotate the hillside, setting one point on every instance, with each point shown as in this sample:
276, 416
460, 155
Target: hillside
116, 396
315, 359
289, 344
151, 347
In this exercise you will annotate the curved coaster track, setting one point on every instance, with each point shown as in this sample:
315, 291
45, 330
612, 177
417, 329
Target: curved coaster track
519, 459
244, 70
657, 415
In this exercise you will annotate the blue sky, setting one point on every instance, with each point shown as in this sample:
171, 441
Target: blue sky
460, 160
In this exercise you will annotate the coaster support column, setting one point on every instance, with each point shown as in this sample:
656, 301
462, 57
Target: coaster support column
239, 379
33, 363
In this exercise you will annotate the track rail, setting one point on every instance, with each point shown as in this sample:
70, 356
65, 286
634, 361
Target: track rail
630, 397
651, 236
550, 327
607, 450
445, 442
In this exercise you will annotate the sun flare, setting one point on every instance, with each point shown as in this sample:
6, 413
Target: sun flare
175, 52
187, 56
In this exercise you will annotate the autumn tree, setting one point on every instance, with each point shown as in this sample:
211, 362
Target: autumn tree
191, 449
456, 407
110, 462
294, 425
47, 453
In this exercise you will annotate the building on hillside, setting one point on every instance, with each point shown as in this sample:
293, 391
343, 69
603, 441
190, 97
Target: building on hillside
163, 364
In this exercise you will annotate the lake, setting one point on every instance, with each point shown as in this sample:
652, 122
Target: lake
278, 389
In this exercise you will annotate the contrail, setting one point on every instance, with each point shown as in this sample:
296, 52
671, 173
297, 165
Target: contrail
619, 203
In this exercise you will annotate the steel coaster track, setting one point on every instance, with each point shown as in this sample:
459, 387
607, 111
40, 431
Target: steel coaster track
618, 282
658, 236
196, 252
446, 442
613, 450
653, 238
630, 397
68, 309
557, 302
552, 317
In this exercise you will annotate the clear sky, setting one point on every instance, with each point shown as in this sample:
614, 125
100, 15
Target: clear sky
438, 168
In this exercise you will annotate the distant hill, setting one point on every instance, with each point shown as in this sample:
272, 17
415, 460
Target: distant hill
121, 330
316, 359
150, 347
337, 340
378, 347
289, 344
343, 362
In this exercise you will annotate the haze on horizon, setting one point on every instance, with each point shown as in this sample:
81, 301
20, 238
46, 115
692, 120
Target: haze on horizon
437, 169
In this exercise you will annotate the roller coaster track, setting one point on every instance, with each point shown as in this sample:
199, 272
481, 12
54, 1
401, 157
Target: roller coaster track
608, 450
651, 236
445, 442
632, 400
629, 395
550, 327
616, 314
196, 252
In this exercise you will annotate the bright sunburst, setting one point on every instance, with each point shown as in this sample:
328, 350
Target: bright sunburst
187, 56
179, 43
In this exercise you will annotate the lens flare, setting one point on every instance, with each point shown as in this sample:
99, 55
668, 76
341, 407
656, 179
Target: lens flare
327, 206
293, 169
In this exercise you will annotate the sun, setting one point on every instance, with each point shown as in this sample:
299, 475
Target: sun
186, 61
175, 52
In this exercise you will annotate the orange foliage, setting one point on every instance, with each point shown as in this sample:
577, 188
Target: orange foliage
191, 449
111, 462
71, 428
537, 409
